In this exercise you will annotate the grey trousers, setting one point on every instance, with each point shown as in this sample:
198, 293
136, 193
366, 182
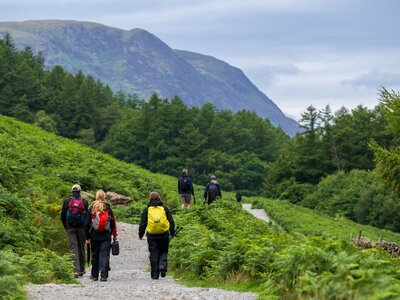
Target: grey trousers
77, 242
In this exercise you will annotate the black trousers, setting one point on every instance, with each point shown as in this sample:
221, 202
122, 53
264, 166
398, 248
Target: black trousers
211, 199
158, 249
100, 257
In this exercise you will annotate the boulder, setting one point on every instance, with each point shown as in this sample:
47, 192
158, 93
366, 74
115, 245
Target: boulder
118, 199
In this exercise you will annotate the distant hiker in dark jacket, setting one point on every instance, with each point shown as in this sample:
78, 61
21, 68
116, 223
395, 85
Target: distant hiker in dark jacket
238, 196
73, 214
212, 190
99, 226
185, 188
159, 224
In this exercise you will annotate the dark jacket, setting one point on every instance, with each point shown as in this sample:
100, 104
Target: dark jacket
64, 210
100, 236
143, 222
212, 182
190, 190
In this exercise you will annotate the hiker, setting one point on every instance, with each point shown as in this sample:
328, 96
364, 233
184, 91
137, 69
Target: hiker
158, 222
238, 196
73, 214
185, 188
212, 191
99, 226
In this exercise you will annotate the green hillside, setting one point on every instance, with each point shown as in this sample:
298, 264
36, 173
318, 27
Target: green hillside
37, 170
300, 220
220, 245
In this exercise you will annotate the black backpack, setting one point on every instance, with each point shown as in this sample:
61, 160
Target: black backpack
184, 184
212, 191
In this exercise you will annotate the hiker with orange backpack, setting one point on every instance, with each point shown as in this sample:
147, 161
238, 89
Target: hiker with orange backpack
99, 226
73, 214
158, 222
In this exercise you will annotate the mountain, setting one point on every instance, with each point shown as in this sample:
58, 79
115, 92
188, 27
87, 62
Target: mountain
137, 62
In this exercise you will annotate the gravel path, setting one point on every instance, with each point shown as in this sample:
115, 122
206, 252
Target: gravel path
258, 213
129, 279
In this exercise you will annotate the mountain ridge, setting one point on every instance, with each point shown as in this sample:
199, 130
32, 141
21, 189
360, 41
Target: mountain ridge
138, 62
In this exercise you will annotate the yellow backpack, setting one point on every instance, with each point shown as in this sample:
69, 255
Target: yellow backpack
157, 221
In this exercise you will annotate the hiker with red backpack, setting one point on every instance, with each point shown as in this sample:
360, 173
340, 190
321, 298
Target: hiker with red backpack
158, 222
212, 191
73, 215
185, 188
99, 226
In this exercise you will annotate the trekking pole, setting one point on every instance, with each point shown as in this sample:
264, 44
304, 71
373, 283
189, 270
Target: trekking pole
178, 228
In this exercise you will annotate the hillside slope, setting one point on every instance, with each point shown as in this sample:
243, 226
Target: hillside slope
136, 61
37, 170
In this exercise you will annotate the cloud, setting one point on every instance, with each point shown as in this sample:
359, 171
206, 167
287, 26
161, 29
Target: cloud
375, 79
186, 12
265, 75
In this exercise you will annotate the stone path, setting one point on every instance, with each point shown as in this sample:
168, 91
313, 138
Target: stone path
258, 213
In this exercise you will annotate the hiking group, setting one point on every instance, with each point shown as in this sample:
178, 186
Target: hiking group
186, 190
95, 225
92, 225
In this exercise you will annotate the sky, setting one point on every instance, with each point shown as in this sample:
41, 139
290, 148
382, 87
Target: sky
297, 52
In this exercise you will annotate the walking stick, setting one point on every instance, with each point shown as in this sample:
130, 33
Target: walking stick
178, 228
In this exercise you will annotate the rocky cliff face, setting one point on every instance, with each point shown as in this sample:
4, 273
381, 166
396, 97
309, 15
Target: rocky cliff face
136, 61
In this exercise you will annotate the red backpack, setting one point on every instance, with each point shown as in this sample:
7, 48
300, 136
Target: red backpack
76, 212
101, 221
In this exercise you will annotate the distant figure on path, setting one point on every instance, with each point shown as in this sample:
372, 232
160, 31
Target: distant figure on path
99, 226
73, 214
185, 188
238, 196
158, 222
212, 191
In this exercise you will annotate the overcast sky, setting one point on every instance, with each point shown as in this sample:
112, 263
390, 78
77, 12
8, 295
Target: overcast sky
298, 52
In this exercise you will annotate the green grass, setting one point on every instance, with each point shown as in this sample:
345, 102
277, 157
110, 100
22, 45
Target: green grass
300, 220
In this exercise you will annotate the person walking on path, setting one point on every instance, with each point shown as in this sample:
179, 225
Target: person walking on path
238, 196
185, 188
212, 191
73, 214
99, 226
158, 222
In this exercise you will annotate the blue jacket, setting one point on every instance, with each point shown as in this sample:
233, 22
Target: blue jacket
212, 182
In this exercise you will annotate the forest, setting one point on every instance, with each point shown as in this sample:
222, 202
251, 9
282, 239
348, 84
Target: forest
325, 161
343, 164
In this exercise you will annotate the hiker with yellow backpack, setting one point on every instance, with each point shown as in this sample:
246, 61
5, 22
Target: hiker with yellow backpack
158, 222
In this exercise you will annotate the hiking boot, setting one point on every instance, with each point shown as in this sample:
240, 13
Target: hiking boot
103, 279
82, 273
94, 278
163, 272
